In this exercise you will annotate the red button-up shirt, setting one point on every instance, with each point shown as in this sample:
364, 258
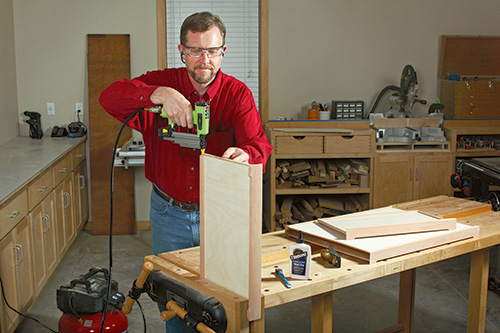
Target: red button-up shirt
234, 122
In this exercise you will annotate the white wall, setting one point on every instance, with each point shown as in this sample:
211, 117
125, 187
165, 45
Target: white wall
8, 86
51, 47
328, 50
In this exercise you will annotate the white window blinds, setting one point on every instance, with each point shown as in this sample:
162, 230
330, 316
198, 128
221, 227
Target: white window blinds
241, 17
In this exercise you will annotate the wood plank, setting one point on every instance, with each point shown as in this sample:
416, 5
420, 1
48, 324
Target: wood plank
231, 227
374, 249
399, 222
108, 61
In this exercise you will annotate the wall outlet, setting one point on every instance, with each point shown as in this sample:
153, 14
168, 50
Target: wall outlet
51, 109
79, 109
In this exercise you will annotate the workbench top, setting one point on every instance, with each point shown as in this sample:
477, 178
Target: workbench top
23, 158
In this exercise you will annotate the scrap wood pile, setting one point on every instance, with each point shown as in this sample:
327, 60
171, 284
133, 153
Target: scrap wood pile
321, 173
293, 209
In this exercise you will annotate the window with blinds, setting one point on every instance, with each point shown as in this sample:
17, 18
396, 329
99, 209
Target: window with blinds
241, 17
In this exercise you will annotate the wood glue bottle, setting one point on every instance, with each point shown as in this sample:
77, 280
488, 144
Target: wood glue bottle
300, 259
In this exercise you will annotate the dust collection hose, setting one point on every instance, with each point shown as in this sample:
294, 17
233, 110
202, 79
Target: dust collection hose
381, 94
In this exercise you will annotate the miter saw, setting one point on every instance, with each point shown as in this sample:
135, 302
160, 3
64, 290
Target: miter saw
201, 119
402, 102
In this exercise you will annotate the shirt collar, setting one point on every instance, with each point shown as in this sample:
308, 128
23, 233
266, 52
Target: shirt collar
212, 90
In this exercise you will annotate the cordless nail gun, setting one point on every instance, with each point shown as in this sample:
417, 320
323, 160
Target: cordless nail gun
201, 119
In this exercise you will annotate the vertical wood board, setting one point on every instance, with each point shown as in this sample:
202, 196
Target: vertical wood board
230, 228
108, 61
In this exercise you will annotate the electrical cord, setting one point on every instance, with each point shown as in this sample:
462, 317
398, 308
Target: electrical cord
21, 314
112, 174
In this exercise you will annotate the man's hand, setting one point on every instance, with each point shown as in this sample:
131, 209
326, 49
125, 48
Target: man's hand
236, 154
176, 106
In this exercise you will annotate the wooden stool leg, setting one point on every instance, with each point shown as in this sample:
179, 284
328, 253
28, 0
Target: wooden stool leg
478, 290
406, 299
322, 313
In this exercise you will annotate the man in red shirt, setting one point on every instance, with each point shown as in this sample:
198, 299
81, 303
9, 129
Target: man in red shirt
235, 128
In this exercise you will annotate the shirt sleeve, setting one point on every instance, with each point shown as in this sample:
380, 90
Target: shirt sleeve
249, 133
123, 97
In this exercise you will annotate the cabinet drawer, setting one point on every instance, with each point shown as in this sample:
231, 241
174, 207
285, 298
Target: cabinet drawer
62, 170
39, 189
78, 155
13, 212
310, 144
347, 144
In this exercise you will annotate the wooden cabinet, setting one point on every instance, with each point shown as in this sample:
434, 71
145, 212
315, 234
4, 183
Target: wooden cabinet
401, 177
315, 145
16, 272
38, 223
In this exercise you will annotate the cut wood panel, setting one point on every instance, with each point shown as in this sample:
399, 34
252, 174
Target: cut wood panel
108, 61
381, 224
446, 207
230, 227
374, 249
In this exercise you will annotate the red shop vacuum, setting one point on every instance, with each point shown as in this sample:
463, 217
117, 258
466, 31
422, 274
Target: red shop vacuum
83, 302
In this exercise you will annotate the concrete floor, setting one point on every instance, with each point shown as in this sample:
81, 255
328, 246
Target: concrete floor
440, 304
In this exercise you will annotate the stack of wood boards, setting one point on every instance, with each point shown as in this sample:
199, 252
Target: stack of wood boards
388, 232
293, 209
319, 173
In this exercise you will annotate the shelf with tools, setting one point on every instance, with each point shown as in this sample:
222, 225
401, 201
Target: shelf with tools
315, 172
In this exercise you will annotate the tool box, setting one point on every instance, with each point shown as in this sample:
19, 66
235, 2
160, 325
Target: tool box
469, 69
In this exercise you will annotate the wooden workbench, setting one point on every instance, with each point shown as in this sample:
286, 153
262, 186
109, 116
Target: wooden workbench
184, 265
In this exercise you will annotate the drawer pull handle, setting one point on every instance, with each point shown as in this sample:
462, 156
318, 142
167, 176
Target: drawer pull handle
15, 214
68, 199
63, 170
299, 137
18, 254
82, 177
347, 137
46, 219
43, 188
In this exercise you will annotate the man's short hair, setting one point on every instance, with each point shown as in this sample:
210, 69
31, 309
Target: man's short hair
200, 22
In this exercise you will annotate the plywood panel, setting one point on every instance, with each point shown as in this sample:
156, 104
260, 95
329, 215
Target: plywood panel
374, 249
390, 223
108, 61
230, 229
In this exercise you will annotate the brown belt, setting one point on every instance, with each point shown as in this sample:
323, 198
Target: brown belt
184, 206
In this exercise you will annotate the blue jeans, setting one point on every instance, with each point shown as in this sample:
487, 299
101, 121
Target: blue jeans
173, 229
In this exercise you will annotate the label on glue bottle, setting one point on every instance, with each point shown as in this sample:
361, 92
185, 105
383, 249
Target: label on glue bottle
300, 259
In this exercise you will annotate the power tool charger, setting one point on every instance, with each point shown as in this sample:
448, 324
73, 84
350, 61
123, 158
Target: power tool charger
86, 294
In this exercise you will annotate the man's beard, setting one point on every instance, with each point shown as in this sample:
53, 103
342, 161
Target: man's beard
199, 79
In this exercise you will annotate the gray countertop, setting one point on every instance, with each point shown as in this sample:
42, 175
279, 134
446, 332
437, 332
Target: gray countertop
23, 158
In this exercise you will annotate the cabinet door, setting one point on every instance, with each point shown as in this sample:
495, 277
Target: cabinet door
432, 175
80, 195
8, 259
25, 292
43, 234
15, 269
64, 215
392, 183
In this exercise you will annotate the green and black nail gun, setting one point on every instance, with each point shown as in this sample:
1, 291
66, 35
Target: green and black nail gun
201, 119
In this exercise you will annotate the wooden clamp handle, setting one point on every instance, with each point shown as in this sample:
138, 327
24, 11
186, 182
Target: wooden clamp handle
146, 269
200, 327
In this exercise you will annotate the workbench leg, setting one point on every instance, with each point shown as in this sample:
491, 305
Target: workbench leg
259, 325
322, 313
478, 290
406, 299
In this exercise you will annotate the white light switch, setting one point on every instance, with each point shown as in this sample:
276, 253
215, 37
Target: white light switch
51, 109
